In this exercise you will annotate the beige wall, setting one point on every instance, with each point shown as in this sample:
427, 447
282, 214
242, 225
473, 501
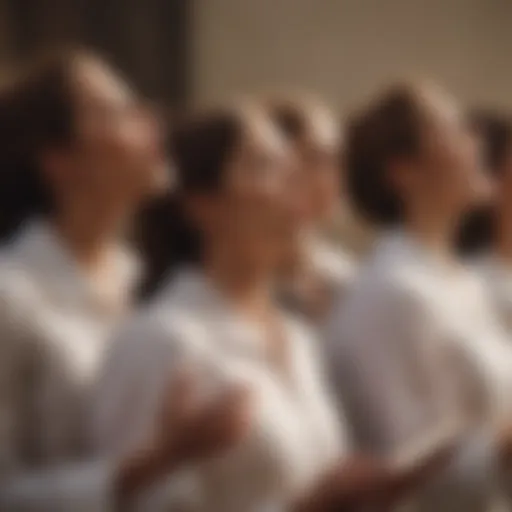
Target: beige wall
344, 49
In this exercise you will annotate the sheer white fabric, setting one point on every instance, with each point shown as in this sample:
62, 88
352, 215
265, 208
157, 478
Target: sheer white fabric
295, 435
413, 345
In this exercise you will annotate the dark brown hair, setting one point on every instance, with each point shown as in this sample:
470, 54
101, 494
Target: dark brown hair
495, 133
290, 117
389, 129
36, 112
200, 147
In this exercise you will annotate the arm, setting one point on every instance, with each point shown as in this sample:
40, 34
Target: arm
370, 347
371, 351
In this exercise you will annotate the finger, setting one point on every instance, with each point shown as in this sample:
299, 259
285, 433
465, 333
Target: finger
236, 397
234, 404
230, 416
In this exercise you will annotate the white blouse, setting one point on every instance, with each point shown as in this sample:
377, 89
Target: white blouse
415, 344
54, 324
295, 435
497, 276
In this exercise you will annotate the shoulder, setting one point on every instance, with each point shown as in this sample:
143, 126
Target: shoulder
383, 308
395, 288
158, 333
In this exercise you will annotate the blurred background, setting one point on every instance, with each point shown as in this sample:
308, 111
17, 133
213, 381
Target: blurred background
342, 49
195, 51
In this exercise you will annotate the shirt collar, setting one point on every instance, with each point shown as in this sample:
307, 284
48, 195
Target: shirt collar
190, 290
399, 245
40, 250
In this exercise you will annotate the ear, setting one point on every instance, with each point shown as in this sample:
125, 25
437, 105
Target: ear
400, 173
54, 164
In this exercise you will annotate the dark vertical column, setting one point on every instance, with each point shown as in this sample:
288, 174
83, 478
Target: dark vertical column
38, 24
7, 36
175, 33
148, 39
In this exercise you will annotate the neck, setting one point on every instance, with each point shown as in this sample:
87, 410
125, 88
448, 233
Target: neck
246, 284
435, 232
503, 237
88, 232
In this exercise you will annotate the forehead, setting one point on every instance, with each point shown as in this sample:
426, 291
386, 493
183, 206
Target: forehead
261, 133
96, 82
439, 108
324, 129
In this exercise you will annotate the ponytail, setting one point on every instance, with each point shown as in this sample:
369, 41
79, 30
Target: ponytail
166, 240
165, 234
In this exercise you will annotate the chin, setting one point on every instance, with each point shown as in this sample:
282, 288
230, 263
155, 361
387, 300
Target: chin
161, 179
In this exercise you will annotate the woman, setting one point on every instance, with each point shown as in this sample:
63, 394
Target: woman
79, 153
416, 345
215, 315
319, 269
487, 233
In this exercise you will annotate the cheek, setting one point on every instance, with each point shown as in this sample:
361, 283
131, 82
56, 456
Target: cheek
256, 217
326, 187
457, 173
504, 187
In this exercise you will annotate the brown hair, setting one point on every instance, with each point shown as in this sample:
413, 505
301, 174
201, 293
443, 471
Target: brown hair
167, 239
290, 116
390, 128
36, 112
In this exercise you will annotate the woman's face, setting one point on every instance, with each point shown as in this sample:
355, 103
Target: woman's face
449, 176
259, 207
319, 166
117, 153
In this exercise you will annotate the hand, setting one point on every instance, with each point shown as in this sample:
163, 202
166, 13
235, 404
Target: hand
188, 431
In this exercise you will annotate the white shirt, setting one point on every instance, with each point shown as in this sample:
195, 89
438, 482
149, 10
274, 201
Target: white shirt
295, 435
498, 278
54, 324
415, 343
